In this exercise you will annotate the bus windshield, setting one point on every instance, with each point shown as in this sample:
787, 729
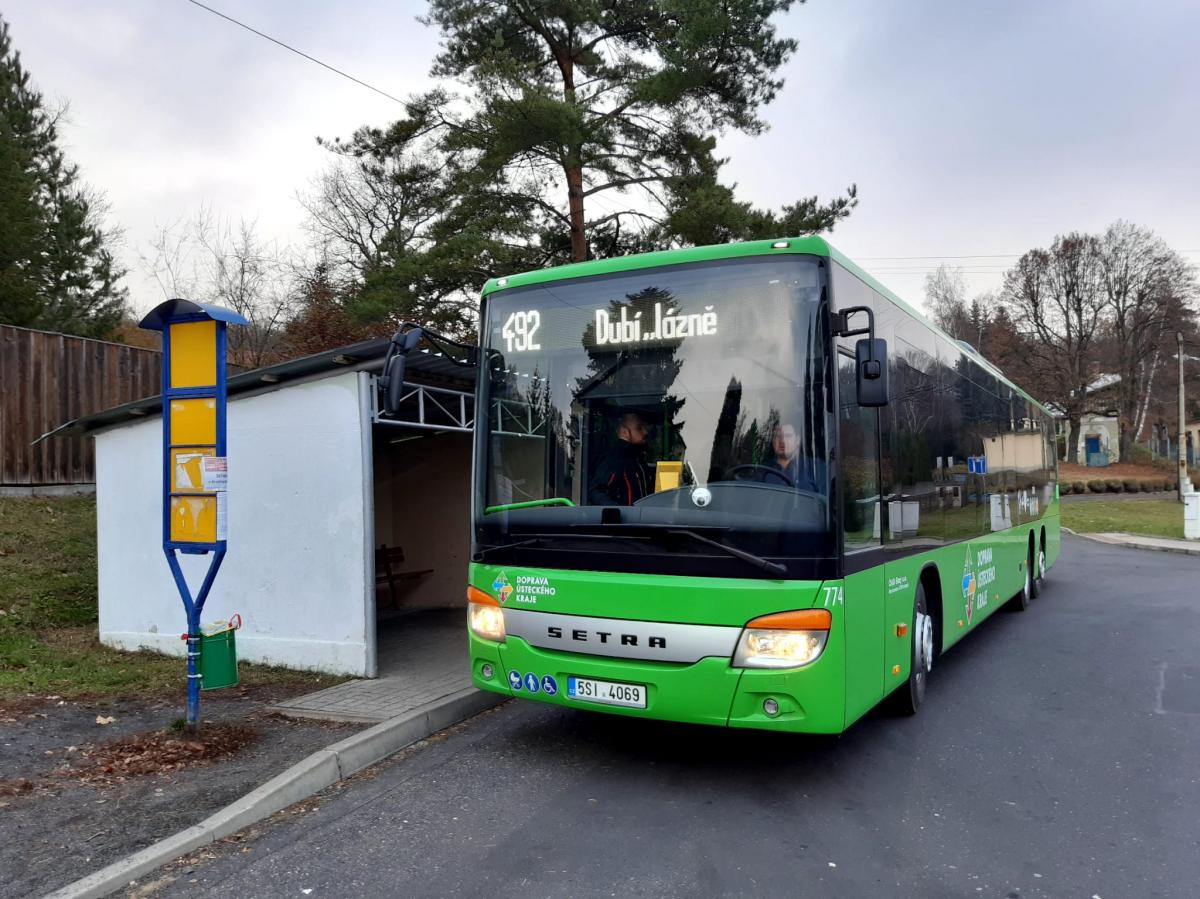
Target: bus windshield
684, 398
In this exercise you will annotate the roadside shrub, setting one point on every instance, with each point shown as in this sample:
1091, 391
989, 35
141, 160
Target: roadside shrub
1148, 486
1139, 454
1078, 487
1113, 485
1096, 486
1131, 485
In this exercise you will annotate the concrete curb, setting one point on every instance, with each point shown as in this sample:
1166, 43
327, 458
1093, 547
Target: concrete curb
322, 769
1133, 542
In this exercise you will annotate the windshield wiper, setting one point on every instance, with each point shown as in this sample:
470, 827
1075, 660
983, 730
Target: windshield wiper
750, 558
479, 554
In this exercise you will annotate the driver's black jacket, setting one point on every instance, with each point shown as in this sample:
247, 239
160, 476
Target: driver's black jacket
622, 477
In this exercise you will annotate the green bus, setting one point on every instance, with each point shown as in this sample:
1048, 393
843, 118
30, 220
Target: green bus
741, 485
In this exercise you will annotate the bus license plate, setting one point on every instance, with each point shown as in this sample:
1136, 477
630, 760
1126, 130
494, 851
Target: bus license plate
630, 695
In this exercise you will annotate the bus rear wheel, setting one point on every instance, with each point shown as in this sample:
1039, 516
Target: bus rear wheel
1021, 601
909, 697
1039, 576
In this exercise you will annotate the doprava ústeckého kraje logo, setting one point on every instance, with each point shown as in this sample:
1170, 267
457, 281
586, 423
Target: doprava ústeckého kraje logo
502, 587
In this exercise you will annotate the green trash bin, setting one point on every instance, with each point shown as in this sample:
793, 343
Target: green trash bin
218, 655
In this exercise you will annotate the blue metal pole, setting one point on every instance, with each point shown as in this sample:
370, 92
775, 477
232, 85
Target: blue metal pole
193, 669
194, 608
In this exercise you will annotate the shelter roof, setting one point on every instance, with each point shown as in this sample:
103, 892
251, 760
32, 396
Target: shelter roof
429, 369
158, 317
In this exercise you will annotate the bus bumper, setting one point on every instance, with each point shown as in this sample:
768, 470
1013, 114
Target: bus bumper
710, 691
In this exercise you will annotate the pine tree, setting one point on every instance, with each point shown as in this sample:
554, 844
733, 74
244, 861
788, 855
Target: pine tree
587, 131
56, 270
578, 100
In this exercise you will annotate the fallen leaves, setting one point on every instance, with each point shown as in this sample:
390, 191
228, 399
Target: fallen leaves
156, 752
15, 786
105, 719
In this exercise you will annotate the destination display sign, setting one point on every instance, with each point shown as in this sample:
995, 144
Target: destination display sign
624, 325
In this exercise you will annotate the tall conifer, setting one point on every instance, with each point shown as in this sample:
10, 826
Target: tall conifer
56, 270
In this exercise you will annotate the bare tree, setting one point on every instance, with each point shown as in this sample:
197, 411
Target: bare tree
1146, 285
401, 240
1057, 300
211, 259
374, 201
946, 300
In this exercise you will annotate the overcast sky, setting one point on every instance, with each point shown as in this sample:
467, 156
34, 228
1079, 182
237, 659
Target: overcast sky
972, 129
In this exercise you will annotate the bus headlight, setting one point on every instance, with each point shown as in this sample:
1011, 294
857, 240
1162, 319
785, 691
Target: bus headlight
783, 640
484, 615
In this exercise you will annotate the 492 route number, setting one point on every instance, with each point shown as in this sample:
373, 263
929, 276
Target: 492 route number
519, 329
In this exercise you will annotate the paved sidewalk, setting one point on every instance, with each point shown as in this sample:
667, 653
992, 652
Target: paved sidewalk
1162, 544
422, 658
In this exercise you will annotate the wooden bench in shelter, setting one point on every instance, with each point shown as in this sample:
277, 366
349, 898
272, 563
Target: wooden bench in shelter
389, 560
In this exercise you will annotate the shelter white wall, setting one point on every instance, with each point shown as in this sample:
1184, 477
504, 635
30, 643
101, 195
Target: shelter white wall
300, 516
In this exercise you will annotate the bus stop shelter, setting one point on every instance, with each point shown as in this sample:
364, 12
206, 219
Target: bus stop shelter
327, 497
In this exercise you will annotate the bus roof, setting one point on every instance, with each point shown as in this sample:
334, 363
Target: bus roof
810, 245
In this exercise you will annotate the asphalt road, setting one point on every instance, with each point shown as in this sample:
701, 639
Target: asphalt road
1058, 754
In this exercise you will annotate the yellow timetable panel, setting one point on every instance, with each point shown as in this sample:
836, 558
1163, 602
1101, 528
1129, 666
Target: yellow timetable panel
194, 422
196, 519
187, 475
193, 354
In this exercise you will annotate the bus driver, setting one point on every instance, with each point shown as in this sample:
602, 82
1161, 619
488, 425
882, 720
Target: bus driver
623, 476
786, 460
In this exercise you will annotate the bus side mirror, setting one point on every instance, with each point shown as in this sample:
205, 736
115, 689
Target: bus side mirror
871, 366
393, 370
394, 381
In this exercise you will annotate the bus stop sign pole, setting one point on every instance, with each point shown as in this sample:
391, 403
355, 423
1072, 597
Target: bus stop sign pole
194, 471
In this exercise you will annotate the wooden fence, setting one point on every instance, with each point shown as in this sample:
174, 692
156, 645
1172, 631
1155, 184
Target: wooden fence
47, 379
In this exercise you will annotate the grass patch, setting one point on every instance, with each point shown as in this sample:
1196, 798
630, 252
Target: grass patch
48, 614
1149, 518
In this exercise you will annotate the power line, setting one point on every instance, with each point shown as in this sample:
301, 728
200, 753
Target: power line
294, 50
975, 256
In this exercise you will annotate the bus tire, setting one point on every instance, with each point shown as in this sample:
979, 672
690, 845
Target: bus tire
1035, 581
1039, 578
908, 699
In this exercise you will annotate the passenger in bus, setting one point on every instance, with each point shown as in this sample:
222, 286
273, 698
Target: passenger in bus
623, 475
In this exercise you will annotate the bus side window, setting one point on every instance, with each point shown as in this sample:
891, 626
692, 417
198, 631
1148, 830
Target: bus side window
858, 461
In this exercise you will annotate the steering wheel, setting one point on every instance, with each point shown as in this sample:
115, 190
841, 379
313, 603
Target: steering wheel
766, 469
